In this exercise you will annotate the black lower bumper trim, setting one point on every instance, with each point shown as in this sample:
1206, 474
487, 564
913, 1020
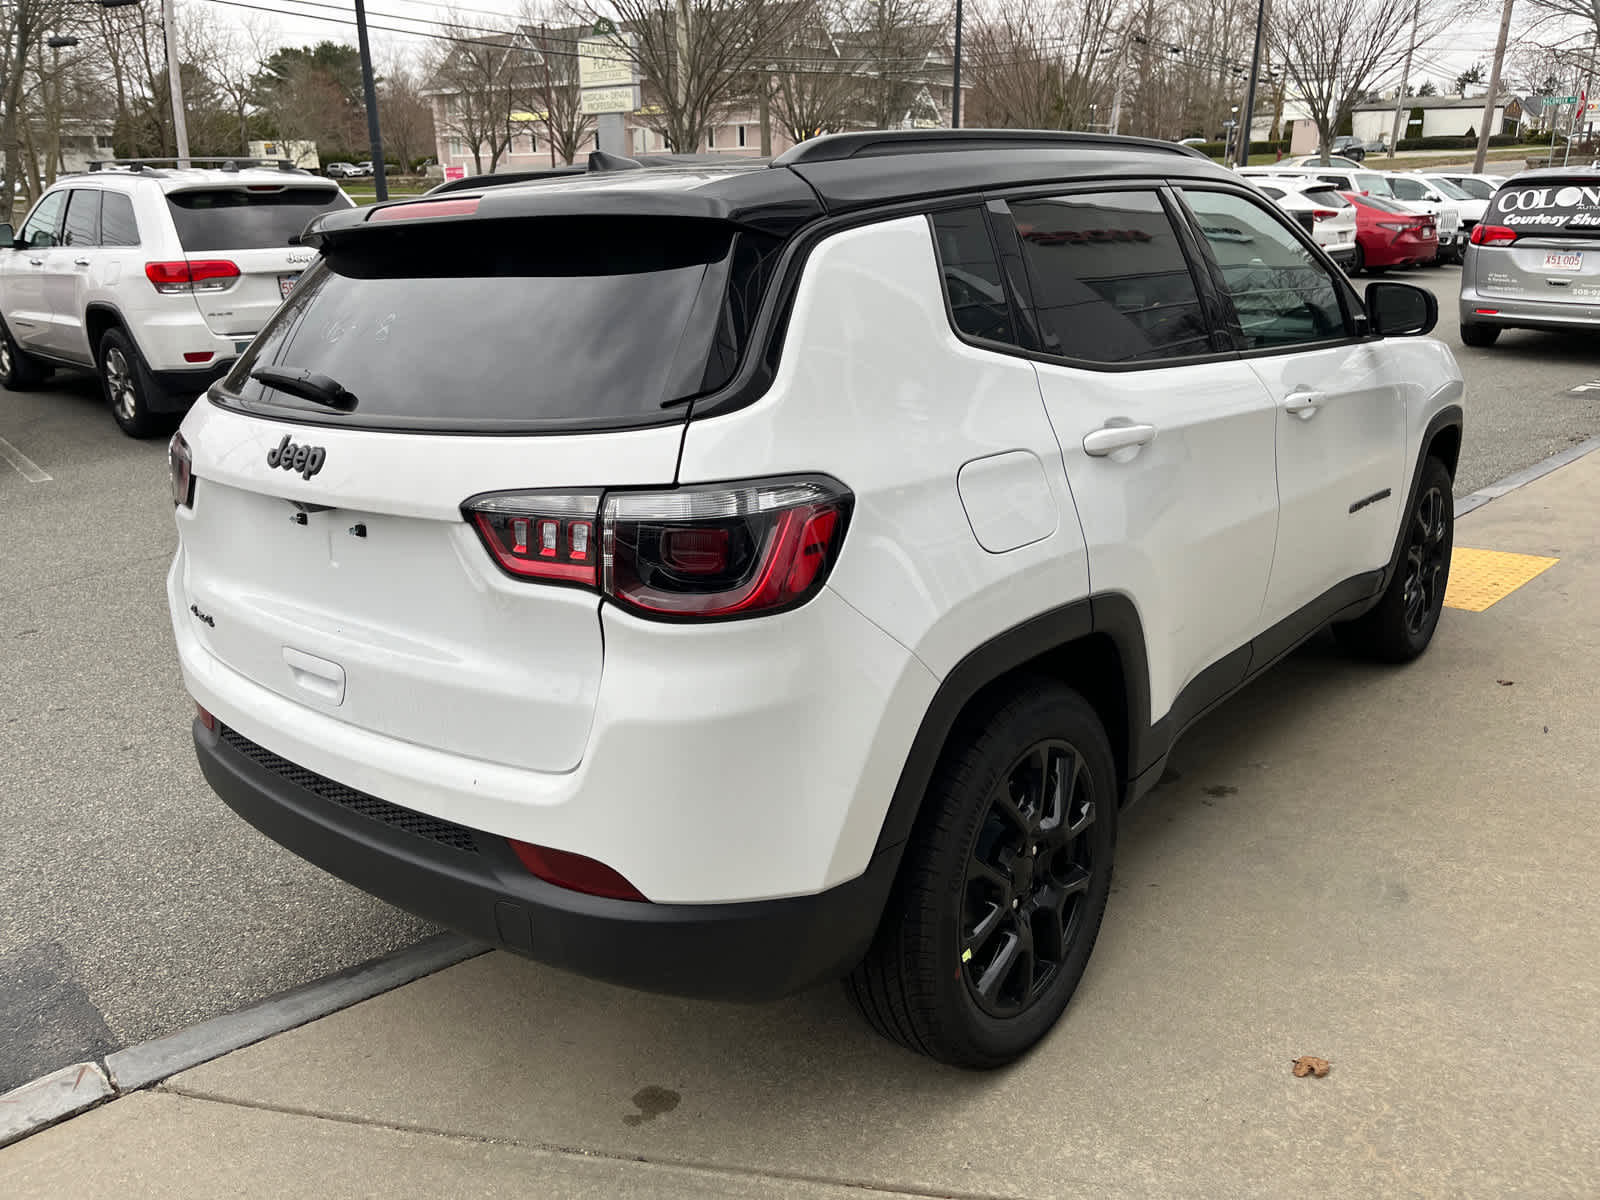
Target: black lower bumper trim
753, 951
183, 387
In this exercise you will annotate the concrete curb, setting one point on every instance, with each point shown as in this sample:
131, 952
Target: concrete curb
140, 1066
51, 1098
1525, 476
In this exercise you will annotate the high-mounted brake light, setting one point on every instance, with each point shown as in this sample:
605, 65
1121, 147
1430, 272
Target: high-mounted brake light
1492, 235
463, 207
191, 275
693, 553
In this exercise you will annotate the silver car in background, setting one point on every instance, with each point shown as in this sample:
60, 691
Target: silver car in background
1533, 262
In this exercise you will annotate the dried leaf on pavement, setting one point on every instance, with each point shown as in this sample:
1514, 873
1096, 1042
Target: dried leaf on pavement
1505, 682
1308, 1065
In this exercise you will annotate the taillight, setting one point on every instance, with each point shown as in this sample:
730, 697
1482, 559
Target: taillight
690, 554
180, 467
191, 275
1492, 235
1400, 226
1322, 214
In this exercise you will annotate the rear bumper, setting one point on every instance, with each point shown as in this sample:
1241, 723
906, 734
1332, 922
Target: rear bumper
471, 882
1523, 313
184, 386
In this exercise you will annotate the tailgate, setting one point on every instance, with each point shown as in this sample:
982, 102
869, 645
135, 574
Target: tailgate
266, 277
1545, 269
377, 604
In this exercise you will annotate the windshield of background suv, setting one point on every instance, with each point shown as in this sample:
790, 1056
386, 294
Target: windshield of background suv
554, 323
233, 218
1477, 189
1548, 207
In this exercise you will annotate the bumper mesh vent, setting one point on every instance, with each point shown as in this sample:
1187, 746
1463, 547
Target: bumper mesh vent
446, 833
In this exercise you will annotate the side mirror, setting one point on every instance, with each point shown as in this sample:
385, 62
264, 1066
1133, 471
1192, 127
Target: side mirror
1399, 309
8, 235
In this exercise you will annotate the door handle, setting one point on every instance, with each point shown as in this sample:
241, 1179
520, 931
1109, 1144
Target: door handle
38, 262
1105, 441
80, 262
1304, 404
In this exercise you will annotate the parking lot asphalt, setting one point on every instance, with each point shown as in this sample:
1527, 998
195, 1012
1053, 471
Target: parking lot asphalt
132, 902
1387, 868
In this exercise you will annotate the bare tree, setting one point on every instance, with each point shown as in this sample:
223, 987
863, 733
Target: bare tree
815, 89
404, 113
552, 86
890, 42
1338, 49
1043, 66
699, 56
484, 81
230, 54
26, 26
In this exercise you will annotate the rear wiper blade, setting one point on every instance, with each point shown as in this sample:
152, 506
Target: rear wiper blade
307, 385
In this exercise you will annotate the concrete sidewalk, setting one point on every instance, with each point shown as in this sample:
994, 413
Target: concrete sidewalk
1390, 869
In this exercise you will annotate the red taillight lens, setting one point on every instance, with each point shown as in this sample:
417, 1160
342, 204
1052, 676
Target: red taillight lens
180, 468
1492, 235
693, 553
574, 872
540, 535
206, 718
192, 275
1322, 214
722, 551
1400, 226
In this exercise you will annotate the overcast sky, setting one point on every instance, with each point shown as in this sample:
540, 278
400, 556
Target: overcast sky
294, 23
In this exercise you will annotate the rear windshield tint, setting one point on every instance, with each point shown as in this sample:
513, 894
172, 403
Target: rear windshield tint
235, 219
558, 324
1384, 204
1561, 209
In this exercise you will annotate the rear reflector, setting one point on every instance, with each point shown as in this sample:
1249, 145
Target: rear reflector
574, 872
199, 356
427, 208
206, 718
1487, 312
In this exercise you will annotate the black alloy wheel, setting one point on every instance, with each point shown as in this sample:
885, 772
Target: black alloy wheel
1027, 879
1427, 561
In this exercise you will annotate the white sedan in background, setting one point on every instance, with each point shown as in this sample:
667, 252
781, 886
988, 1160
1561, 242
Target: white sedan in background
1326, 215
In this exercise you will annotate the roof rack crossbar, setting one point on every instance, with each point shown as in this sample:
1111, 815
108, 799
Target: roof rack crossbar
232, 162
872, 143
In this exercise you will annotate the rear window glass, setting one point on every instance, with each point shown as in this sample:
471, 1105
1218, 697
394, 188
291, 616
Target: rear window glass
971, 269
117, 226
1326, 197
1384, 204
235, 219
553, 324
1571, 209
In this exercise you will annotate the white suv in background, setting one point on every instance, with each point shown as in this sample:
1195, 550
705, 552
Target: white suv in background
155, 277
1324, 212
721, 579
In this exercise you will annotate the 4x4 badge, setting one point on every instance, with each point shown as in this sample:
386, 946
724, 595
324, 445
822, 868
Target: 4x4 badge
287, 456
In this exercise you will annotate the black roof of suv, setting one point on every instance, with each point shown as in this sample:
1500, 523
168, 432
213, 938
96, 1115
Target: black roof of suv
824, 176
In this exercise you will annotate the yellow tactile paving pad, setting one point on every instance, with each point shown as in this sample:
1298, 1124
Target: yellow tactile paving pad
1479, 578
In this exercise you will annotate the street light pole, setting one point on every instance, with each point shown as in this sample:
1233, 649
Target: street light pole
180, 127
1494, 89
955, 95
369, 88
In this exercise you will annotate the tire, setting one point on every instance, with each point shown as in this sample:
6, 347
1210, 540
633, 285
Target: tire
129, 387
1358, 262
1477, 334
957, 970
1403, 622
18, 370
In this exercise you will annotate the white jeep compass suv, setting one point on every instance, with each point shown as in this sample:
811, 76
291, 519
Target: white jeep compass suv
721, 580
153, 276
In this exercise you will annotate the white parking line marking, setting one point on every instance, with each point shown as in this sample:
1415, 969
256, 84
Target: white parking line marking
26, 467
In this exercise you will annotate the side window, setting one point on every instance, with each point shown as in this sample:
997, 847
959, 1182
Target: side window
41, 228
971, 272
117, 226
82, 226
1408, 189
1110, 281
1342, 182
1283, 295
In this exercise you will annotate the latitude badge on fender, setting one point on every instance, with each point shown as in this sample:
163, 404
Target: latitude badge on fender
287, 456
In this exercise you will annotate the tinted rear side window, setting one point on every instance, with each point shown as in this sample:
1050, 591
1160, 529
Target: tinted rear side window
971, 272
117, 226
82, 227
1548, 209
1110, 281
523, 326
237, 219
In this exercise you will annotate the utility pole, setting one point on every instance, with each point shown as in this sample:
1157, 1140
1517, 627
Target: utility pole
180, 127
369, 88
766, 115
955, 94
680, 80
1405, 82
1494, 89
1242, 158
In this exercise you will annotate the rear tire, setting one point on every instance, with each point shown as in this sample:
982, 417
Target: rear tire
1358, 262
1476, 334
19, 371
1402, 624
1004, 883
130, 388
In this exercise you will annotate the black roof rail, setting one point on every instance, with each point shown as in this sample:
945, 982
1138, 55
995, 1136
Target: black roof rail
873, 143
230, 162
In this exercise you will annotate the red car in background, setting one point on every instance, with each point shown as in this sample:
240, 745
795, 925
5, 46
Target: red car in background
1388, 234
